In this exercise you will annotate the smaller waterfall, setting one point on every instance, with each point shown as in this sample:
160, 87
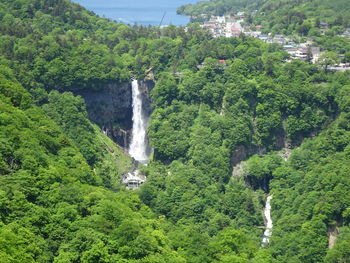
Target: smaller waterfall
269, 224
138, 148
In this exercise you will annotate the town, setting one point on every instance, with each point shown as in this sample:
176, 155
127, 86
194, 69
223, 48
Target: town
234, 26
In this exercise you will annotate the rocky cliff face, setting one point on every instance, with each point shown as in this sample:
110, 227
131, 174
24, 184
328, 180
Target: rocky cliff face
146, 86
278, 142
111, 108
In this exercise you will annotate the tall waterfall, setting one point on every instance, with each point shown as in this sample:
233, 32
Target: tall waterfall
138, 148
269, 224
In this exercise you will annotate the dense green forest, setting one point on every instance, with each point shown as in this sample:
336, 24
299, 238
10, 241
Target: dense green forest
216, 111
276, 12
218, 7
217, 102
302, 16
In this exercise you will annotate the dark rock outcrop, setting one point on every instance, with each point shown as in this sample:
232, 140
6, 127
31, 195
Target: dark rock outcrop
278, 142
242, 152
146, 86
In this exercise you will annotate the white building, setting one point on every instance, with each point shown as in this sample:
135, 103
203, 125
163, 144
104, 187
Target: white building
133, 180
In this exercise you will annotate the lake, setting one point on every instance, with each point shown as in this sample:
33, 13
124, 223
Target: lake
141, 12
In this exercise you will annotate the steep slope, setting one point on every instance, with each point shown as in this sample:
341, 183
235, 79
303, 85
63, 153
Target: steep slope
300, 16
54, 206
220, 115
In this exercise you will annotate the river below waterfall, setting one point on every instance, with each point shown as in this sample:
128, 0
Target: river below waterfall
268, 220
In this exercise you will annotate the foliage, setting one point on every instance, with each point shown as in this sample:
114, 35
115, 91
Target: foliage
219, 115
217, 7
220, 105
52, 209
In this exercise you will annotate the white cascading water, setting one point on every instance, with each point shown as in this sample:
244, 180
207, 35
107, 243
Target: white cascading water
269, 224
138, 147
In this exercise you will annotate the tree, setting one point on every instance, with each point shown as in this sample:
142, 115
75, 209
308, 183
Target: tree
341, 250
328, 58
165, 90
347, 57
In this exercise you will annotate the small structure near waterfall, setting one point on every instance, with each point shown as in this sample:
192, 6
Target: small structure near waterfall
133, 180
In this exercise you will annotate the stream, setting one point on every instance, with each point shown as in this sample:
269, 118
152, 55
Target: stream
269, 224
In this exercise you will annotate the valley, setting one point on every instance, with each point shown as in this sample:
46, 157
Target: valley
149, 144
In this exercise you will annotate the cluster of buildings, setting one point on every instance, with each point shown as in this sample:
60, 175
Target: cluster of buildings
222, 26
233, 26
230, 26
303, 52
307, 51
225, 26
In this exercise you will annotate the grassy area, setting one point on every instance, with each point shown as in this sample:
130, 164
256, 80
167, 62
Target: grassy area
116, 161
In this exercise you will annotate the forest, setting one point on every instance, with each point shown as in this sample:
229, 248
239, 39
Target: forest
232, 123
218, 7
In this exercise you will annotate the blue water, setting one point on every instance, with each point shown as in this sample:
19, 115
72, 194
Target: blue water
141, 12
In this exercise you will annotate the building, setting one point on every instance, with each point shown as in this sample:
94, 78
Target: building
301, 54
133, 180
255, 34
263, 37
315, 52
346, 33
235, 31
291, 50
324, 27
240, 14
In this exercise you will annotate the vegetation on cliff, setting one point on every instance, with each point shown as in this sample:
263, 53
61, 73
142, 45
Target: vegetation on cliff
221, 114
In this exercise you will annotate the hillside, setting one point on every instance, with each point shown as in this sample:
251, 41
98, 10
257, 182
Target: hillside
280, 16
232, 124
218, 7
302, 16
328, 10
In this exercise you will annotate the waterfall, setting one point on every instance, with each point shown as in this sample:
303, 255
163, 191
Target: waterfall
138, 148
269, 224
